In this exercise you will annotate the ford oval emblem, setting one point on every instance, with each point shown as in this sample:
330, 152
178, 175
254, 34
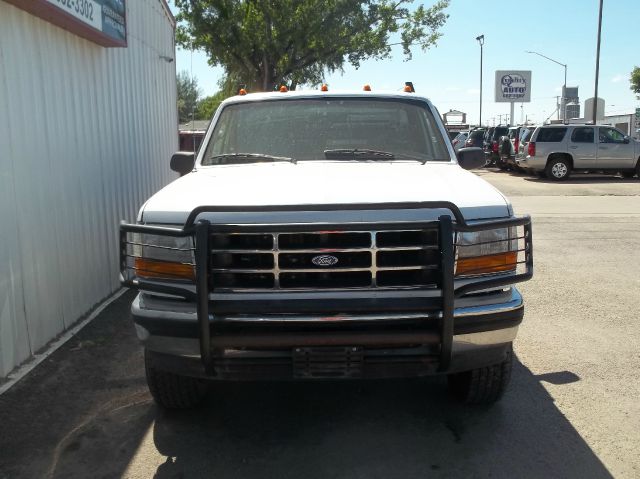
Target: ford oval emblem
324, 260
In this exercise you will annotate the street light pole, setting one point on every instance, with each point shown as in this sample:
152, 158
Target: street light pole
480, 39
564, 89
595, 95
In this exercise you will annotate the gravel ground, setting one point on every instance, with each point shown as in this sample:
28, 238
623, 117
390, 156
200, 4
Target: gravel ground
571, 410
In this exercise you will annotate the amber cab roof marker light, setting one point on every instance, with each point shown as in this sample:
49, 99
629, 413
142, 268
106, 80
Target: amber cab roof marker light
367, 88
283, 89
242, 92
324, 87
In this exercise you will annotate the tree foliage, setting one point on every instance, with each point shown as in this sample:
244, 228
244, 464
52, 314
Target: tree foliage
207, 106
635, 81
265, 43
188, 95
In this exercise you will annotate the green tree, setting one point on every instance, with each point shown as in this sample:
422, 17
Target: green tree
208, 105
635, 81
188, 96
265, 43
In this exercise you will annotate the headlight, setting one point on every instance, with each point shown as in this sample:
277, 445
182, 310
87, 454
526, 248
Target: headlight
163, 257
486, 252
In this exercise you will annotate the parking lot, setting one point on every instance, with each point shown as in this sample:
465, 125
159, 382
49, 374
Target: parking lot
572, 409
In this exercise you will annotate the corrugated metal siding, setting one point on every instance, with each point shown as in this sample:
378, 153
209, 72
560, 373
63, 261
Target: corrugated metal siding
86, 134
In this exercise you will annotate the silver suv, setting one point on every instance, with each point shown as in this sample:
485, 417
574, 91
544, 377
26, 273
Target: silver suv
557, 150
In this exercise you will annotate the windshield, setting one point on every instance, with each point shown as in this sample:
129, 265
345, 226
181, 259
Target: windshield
317, 129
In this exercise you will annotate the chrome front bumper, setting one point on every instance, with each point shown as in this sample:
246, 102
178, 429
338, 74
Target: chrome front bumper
481, 324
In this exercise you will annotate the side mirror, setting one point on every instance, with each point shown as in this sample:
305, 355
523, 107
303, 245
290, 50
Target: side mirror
625, 140
182, 162
471, 158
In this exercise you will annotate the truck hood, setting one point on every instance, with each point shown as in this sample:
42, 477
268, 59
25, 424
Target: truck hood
323, 183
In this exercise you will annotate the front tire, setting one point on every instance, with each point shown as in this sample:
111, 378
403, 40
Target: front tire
558, 169
483, 385
170, 390
631, 174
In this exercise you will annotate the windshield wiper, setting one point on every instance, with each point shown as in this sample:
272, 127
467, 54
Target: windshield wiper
357, 154
422, 160
228, 158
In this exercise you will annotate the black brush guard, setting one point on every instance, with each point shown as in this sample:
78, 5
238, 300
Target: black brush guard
201, 229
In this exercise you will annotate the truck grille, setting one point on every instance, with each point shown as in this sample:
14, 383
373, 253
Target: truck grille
325, 260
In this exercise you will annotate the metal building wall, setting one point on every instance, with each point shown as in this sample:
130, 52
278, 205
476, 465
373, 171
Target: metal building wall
86, 134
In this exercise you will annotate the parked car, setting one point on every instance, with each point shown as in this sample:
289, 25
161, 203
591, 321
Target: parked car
460, 140
341, 239
475, 138
557, 150
509, 145
492, 145
452, 134
485, 140
525, 137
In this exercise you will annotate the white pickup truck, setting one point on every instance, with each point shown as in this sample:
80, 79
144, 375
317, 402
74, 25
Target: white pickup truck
326, 235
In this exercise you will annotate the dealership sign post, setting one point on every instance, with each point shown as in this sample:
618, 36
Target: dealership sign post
513, 86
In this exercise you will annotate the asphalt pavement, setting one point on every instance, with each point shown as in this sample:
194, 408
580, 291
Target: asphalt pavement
572, 409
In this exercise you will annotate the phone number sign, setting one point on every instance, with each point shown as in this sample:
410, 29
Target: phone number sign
101, 21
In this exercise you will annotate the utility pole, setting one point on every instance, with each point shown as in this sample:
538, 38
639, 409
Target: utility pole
595, 95
480, 40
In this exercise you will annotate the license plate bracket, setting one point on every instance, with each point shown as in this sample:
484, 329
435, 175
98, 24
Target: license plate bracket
328, 362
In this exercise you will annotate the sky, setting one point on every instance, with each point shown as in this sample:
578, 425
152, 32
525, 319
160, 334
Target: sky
449, 73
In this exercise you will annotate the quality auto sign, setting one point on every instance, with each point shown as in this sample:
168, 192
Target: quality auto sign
513, 86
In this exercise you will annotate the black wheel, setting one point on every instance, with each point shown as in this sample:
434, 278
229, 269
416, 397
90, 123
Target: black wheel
483, 385
631, 174
558, 169
170, 390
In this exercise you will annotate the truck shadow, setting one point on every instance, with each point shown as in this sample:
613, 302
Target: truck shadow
373, 429
86, 412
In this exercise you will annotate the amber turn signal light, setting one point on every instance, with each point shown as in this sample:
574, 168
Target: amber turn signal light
149, 268
493, 263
